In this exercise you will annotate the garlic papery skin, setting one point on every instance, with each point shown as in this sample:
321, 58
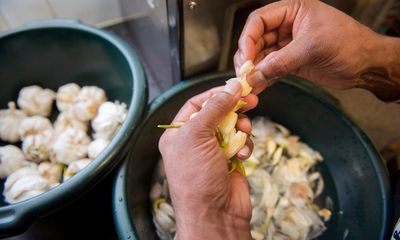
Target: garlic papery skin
65, 120
11, 159
109, 119
76, 167
96, 147
66, 95
51, 171
34, 100
38, 147
34, 125
10, 120
71, 145
87, 102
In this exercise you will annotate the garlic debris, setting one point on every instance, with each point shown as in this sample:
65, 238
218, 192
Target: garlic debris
65, 120
66, 95
38, 147
34, 125
51, 171
76, 167
96, 147
109, 119
72, 144
87, 102
34, 100
23, 184
11, 159
10, 120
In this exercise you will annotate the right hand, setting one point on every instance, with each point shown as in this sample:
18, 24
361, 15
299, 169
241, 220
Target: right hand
310, 39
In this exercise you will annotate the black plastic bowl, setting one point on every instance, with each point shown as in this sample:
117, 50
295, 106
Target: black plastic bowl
50, 54
354, 174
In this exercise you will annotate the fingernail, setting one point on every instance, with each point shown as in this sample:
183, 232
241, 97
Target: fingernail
257, 78
244, 152
231, 87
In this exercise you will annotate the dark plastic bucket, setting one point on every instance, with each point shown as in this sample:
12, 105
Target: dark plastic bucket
52, 53
354, 174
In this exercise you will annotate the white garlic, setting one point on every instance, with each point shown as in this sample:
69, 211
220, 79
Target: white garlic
96, 147
51, 171
34, 125
11, 159
66, 95
23, 184
65, 120
87, 102
10, 120
71, 145
34, 100
109, 119
38, 147
75, 167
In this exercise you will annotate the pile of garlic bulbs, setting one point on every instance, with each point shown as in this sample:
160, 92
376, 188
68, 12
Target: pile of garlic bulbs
51, 153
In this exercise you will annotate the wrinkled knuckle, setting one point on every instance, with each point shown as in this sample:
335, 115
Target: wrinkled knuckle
278, 66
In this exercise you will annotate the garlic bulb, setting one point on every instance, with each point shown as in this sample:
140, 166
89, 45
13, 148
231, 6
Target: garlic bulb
38, 147
87, 102
11, 159
66, 95
75, 167
51, 171
71, 145
23, 184
34, 125
65, 120
34, 100
109, 119
10, 120
96, 147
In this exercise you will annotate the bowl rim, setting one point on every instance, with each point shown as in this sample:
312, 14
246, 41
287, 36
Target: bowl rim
122, 220
16, 217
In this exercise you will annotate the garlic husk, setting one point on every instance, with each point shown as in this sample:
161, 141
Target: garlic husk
10, 120
66, 120
66, 95
23, 184
96, 147
38, 147
34, 125
75, 167
71, 145
34, 100
11, 159
51, 171
87, 102
109, 119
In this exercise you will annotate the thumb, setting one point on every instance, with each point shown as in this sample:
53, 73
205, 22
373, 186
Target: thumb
218, 106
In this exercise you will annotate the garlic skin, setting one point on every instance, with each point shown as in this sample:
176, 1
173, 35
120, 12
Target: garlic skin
34, 125
76, 167
71, 145
51, 171
96, 147
109, 119
10, 120
87, 103
23, 184
34, 100
65, 120
66, 95
38, 147
11, 159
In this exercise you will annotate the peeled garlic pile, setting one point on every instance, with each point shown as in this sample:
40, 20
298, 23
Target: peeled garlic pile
10, 120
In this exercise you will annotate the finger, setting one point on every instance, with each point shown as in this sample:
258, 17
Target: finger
261, 55
251, 102
243, 124
262, 86
246, 151
270, 38
237, 63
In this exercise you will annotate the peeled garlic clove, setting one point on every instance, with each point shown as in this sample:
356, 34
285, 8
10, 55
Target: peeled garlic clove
109, 119
66, 95
167, 208
10, 120
72, 144
38, 147
34, 100
237, 140
96, 147
11, 159
65, 120
75, 167
193, 115
246, 68
51, 171
228, 124
87, 102
325, 214
34, 125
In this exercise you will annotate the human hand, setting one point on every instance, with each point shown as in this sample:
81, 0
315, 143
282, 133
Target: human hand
209, 202
319, 43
